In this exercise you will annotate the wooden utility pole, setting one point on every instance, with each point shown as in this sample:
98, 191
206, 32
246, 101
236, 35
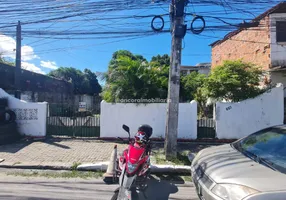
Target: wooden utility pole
18, 62
178, 31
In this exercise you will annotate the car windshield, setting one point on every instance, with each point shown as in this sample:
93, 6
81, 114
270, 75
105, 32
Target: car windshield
267, 147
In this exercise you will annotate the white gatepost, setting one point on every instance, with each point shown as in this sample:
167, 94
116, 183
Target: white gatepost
31, 118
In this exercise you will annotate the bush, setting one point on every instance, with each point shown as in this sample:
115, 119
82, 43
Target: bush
234, 81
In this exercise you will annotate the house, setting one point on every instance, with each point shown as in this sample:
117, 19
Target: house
35, 87
39, 88
202, 68
263, 43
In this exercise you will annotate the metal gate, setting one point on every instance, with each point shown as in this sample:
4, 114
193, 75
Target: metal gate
206, 128
66, 120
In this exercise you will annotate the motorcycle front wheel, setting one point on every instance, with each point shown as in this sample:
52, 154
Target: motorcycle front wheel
124, 194
115, 196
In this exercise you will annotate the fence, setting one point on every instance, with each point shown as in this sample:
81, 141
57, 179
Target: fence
206, 128
72, 110
66, 120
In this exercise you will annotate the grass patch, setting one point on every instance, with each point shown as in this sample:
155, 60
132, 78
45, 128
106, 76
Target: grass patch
51, 174
75, 165
182, 159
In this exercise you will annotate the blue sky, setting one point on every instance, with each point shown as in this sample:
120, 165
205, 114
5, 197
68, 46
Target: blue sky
96, 53
96, 57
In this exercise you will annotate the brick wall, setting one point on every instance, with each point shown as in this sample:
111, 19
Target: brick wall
257, 51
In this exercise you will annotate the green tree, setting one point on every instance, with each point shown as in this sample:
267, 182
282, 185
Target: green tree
113, 64
160, 66
201, 97
234, 81
128, 80
161, 60
132, 77
92, 82
190, 84
83, 82
124, 53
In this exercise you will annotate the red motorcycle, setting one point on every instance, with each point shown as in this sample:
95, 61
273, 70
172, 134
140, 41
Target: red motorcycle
133, 165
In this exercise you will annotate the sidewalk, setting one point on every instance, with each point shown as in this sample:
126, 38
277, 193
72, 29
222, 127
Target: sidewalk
63, 153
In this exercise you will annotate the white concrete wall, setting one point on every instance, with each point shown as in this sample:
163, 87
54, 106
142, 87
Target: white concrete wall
279, 77
113, 116
30, 117
236, 120
278, 50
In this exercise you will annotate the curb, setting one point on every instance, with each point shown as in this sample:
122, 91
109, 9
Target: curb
43, 167
102, 167
180, 169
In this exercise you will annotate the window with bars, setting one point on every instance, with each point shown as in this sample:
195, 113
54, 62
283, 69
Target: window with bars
281, 31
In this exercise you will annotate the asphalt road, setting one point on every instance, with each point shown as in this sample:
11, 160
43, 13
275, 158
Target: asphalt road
32, 188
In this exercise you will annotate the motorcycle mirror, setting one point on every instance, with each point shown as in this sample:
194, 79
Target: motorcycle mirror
126, 128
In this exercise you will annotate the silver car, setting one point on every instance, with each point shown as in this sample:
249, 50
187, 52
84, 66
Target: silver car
252, 168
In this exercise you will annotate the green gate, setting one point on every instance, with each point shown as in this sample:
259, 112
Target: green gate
206, 128
66, 120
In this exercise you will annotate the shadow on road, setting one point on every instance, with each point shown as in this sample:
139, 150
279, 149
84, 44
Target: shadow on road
19, 145
15, 146
158, 189
55, 142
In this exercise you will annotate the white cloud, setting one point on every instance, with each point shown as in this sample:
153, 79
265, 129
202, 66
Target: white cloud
8, 49
28, 53
49, 64
31, 67
7, 46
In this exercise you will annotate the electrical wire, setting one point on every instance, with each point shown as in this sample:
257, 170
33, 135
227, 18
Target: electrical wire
67, 20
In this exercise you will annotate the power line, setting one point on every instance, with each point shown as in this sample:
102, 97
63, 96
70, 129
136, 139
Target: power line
126, 26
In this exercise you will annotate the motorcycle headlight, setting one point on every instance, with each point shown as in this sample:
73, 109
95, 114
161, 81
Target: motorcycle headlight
131, 167
232, 191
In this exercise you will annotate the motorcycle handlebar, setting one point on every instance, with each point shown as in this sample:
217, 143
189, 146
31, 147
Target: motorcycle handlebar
123, 140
